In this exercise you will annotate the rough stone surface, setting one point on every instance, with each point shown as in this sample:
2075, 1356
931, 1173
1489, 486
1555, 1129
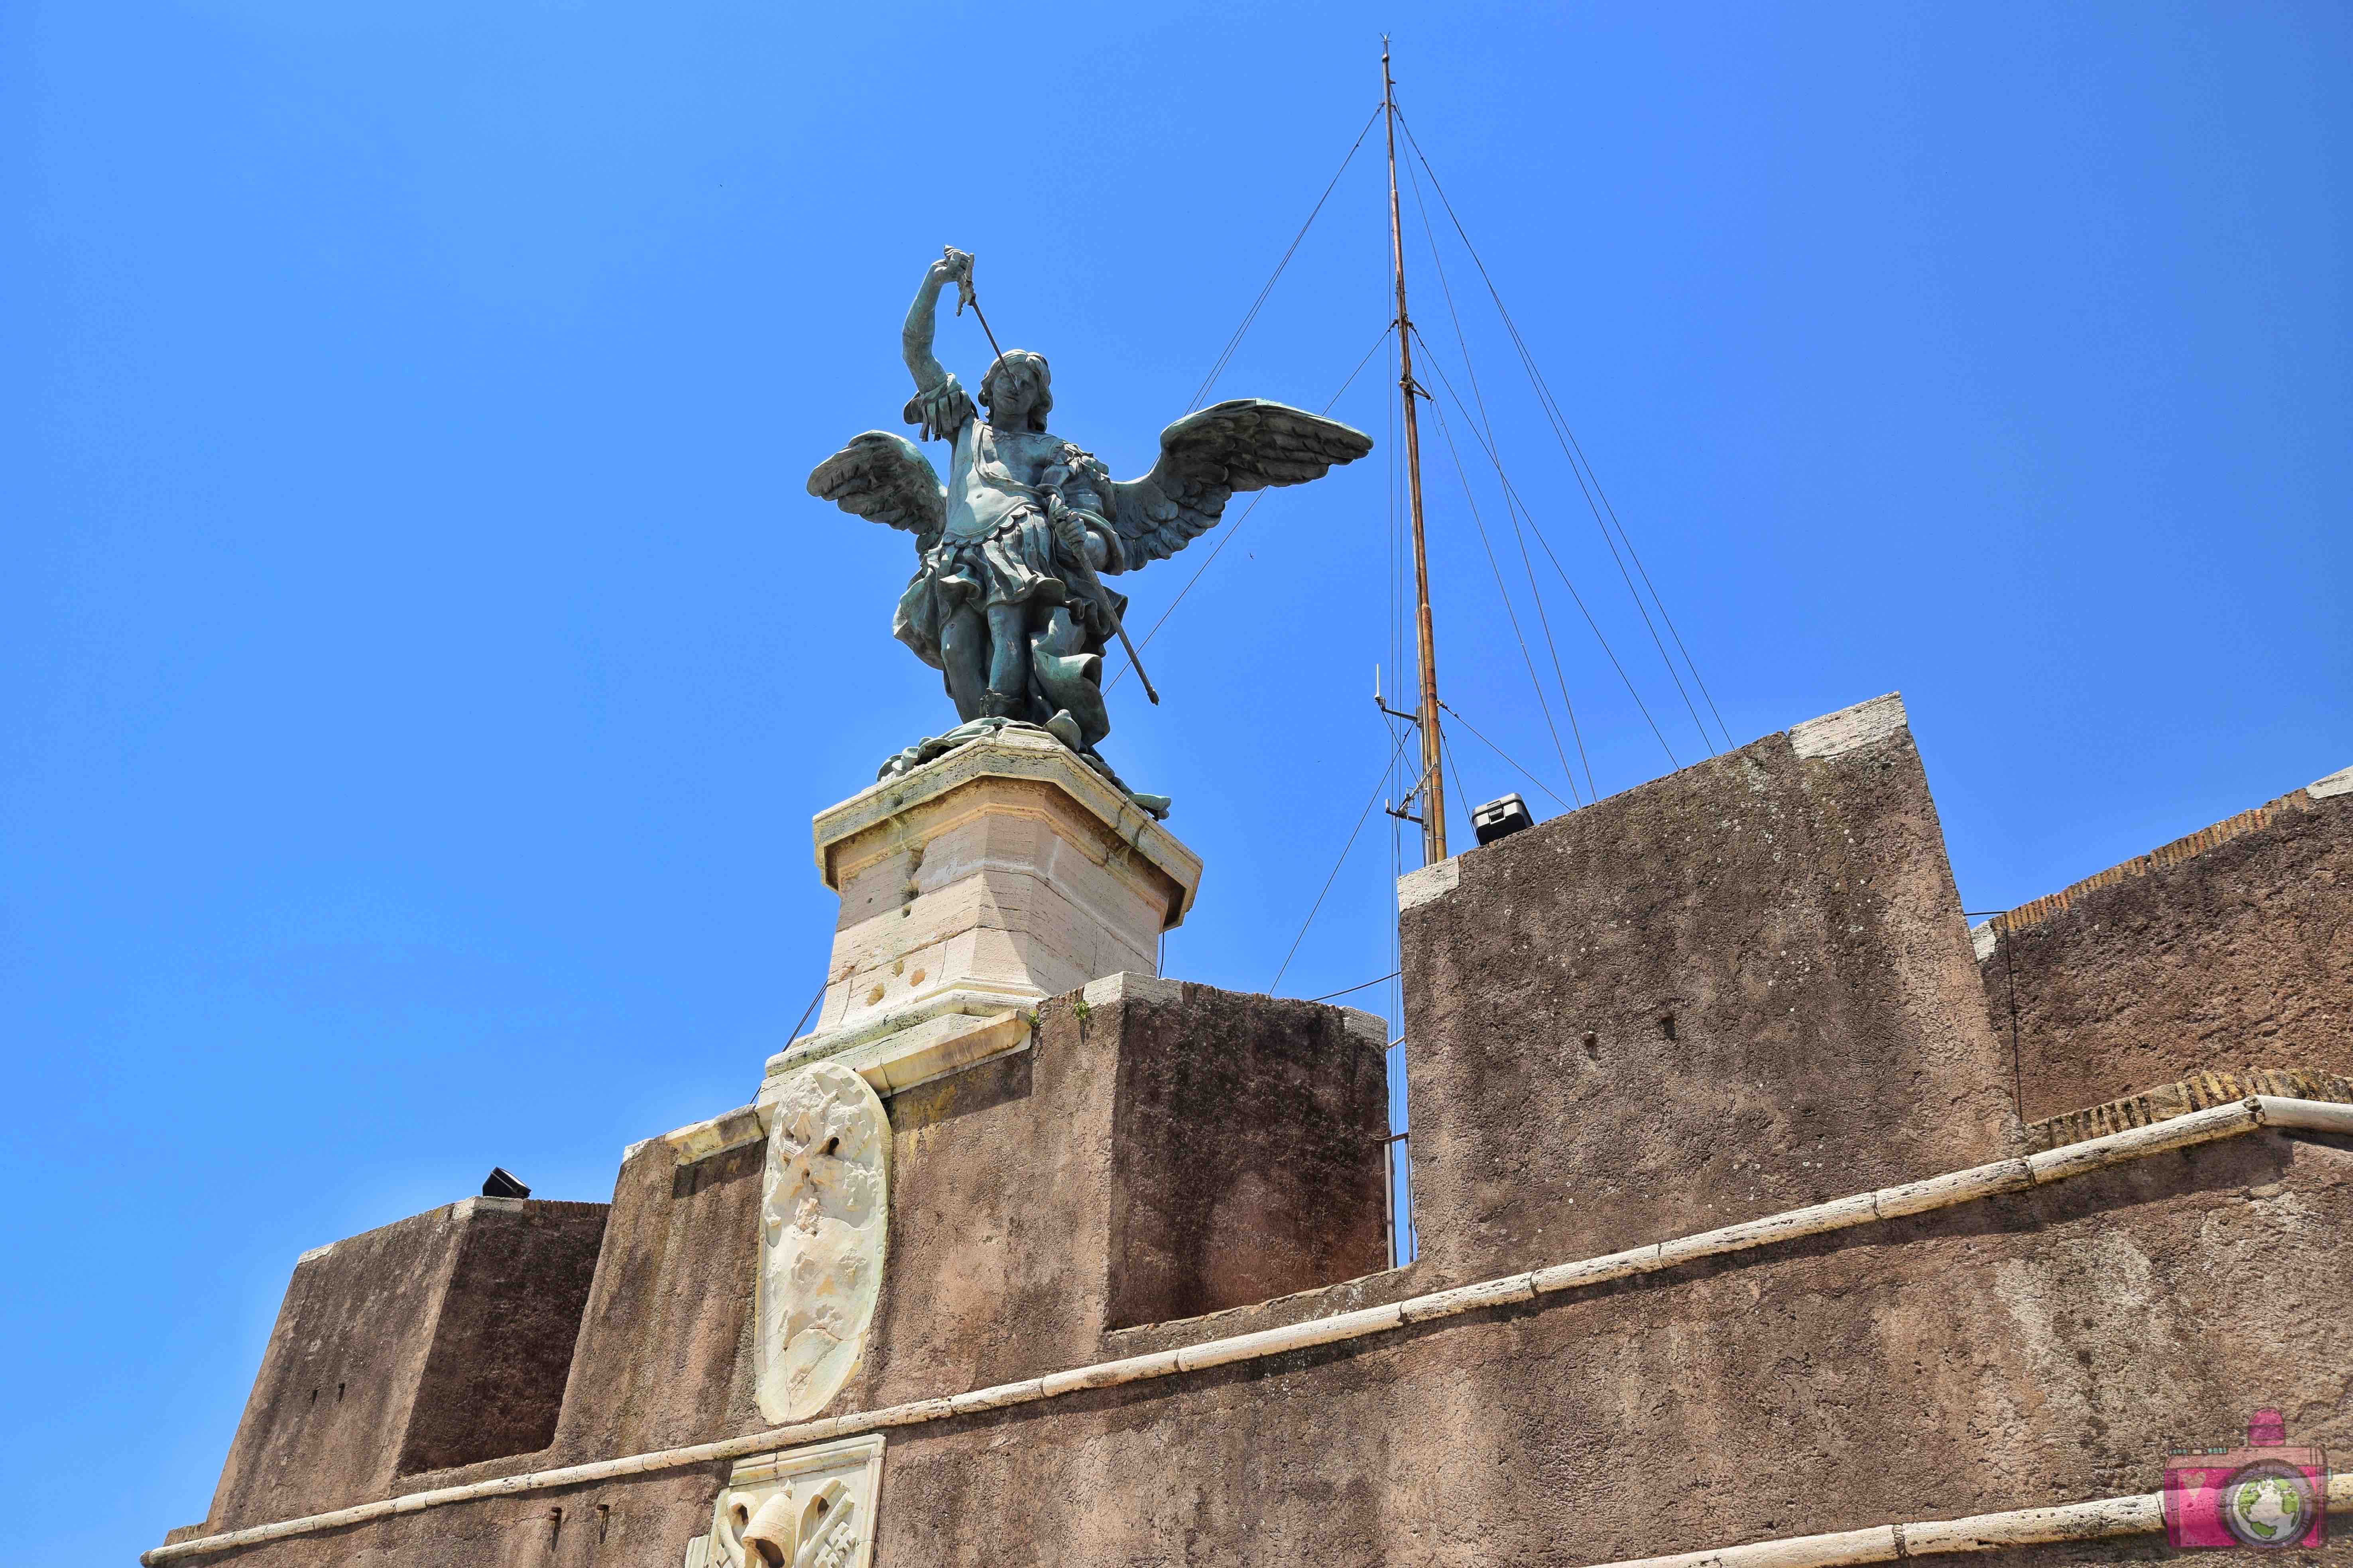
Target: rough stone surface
665, 1354
2230, 948
2042, 1348
1169, 1150
494, 1382
330, 1404
1255, 1166
1248, 1154
639, 1522
1742, 988
2030, 1350
383, 1335
1001, 1220
1161, 1148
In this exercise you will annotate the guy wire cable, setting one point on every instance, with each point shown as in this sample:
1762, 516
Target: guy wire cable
1379, 781
1456, 714
1556, 566
1511, 509
1570, 447
1256, 305
1511, 617
1235, 527
1495, 455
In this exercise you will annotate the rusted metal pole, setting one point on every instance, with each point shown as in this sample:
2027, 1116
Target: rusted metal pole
1433, 778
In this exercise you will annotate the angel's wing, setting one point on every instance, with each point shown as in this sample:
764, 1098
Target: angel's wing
1246, 444
888, 479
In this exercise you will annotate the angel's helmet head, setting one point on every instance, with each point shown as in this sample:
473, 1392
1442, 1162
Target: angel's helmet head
1019, 387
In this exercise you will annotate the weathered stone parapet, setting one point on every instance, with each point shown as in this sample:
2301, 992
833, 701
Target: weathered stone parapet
2165, 856
1731, 991
1169, 1149
1131, 1301
2131, 1269
440, 1340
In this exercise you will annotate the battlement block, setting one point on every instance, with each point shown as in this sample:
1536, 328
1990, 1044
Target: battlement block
437, 1341
1741, 988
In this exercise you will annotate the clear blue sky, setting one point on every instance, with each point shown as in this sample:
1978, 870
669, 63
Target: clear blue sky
418, 660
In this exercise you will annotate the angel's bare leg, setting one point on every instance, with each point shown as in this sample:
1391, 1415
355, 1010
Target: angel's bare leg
1009, 659
1069, 676
964, 650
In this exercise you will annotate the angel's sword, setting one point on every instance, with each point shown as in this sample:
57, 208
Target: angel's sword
1102, 599
966, 295
1085, 571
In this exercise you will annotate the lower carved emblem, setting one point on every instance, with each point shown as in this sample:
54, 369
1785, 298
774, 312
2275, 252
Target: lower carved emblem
811, 1507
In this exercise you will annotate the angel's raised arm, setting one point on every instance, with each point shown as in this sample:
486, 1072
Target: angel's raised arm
915, 337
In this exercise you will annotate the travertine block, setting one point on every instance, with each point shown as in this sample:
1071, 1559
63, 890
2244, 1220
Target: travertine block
971, 888
810, 1505
824, 1217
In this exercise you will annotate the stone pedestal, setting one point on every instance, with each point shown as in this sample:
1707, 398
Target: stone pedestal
973, 889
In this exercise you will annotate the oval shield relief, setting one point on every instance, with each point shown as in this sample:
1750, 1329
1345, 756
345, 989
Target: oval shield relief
825, 1208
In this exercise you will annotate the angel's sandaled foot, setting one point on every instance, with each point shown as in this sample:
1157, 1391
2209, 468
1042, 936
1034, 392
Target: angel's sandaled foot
1065, 729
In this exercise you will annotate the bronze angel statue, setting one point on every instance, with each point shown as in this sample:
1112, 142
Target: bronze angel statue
1007, 600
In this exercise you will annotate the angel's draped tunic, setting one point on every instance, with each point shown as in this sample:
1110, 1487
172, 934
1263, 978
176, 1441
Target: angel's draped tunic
998, 547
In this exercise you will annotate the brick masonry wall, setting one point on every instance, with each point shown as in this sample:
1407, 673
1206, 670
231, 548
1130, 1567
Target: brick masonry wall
2228, 949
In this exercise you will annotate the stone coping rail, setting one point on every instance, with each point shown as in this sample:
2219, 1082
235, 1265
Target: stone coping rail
2198, 1091
2139, 1515
1888, 1203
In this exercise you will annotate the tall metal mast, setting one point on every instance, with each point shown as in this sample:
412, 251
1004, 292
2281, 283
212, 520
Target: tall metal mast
1433, 780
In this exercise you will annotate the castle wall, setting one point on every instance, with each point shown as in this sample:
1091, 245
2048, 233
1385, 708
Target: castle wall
494, 1382
1730, 991
1249, 1149
999, 1257
643, 1521
2035, 1350
2230, 948
2039, 1348
1167, 1145
1739, 989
